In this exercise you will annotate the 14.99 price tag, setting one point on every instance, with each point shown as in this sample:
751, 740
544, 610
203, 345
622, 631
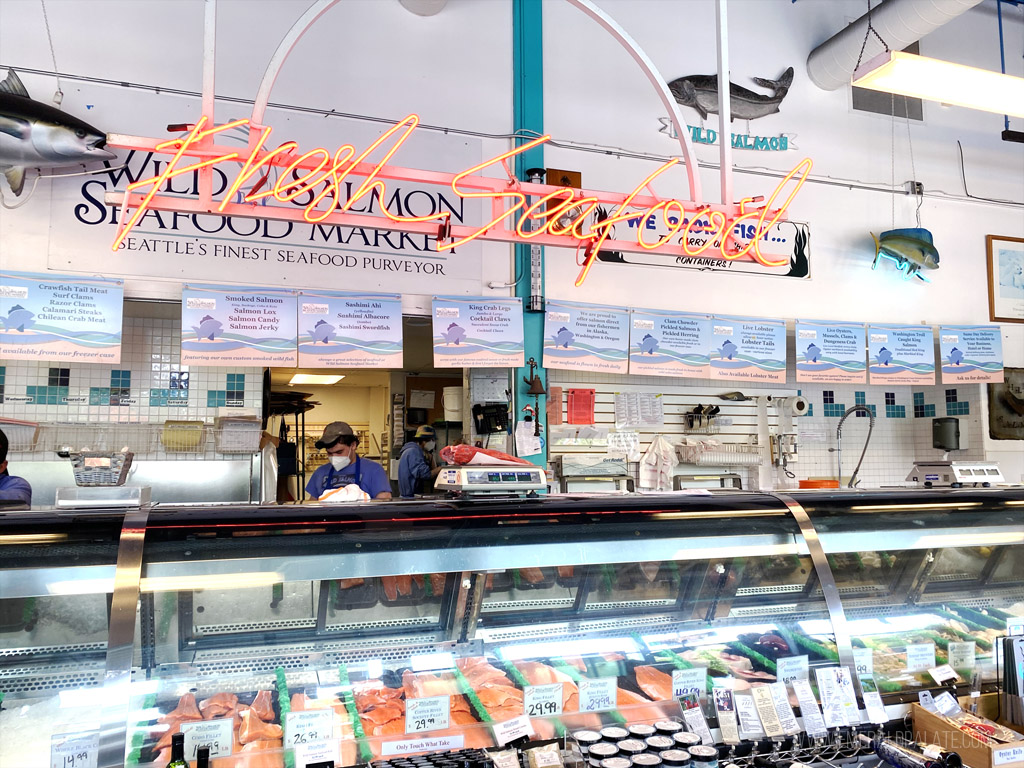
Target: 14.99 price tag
308, 727
214, 734
542, 700
690, 682
598, 695
74, 750
431, 713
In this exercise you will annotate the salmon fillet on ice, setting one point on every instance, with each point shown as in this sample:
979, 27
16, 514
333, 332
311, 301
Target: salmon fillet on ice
654, 683
253, 729
185, 711
218, 705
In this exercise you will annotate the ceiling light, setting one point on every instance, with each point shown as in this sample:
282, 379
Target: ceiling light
942, 81
316, 378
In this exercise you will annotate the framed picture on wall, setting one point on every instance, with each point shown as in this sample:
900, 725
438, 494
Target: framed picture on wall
1005, 278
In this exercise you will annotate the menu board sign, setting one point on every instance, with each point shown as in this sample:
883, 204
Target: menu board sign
748, 349
350, 330
230, 325
670, 344
477, 332
586, 337
901, 354
830, 353
971, 354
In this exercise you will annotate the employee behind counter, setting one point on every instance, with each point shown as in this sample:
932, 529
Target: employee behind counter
14, 491
346, 466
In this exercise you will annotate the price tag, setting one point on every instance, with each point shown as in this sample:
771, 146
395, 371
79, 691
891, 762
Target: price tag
690, 682
74, 750
310, 754
543, 700
873, 701
766, 710
696, 723
838, 703
864, 662
431, 713
961, 655
924, 698
792, 668
598, 695
943, 673
782, 708
215, 734
814, 724
1008, 755
920, 656
309, 727
750, 723
947, 704
725, 706
513, 729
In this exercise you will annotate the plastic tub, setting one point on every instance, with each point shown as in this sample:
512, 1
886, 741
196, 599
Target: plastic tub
451, 398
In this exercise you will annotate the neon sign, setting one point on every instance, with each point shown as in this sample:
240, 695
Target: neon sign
513, 217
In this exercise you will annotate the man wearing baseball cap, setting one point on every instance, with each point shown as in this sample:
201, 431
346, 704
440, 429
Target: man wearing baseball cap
414, 471
344, 466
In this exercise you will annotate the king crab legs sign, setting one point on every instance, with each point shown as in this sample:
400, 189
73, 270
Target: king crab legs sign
319, 175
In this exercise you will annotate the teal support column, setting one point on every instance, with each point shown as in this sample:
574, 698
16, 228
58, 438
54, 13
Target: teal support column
528, 116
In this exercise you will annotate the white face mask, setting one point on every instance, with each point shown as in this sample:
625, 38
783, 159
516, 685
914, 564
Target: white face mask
429, 445
340, 462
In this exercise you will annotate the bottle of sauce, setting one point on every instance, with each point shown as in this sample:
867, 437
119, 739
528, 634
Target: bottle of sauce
203, 757
178, 751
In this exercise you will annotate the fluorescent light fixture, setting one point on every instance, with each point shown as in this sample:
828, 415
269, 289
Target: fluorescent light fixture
20, 539
430, 662
321, 379
243, 580
943, 81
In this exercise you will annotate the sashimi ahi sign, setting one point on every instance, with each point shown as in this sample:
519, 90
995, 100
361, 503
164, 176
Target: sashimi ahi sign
314, 187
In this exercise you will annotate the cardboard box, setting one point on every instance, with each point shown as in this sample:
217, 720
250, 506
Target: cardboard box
929, 728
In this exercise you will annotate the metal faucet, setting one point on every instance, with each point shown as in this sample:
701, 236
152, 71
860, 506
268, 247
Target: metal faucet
839, 443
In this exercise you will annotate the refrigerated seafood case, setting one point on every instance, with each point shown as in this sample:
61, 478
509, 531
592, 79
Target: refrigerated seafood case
239, 615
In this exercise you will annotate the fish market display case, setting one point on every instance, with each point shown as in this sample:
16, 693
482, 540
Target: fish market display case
227, 622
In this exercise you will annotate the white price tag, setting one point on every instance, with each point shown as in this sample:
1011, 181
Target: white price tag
308, 727
814, 724
543, 700
1008, 755
726, 709
780, 695
1015, 626
946, 704
431, 713
696, 723
598, 695
214, 734
792, 668
689, 682
428, 744
920, 656
875, 707
943, 673
513, 729
766, 710
864, 662
961, 655
310, 754
74, 750
750, 723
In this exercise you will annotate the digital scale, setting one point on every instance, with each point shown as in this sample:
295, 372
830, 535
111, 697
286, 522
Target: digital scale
955, 474
481, 480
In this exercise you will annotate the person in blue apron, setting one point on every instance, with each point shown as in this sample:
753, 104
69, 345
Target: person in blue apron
13, 490
344, 465
415, 470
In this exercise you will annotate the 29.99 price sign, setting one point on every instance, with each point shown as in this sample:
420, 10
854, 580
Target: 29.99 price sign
598, 695
543, 700
431, 713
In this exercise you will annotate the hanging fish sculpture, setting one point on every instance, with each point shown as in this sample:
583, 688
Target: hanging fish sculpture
910, 249
701, 93
37, 135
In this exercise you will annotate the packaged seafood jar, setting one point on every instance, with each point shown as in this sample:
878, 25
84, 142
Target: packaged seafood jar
685, 739
668, 727
641, 730
659, 743
614, 733
615, 762
586, 739
646, 761
675, 758
630, 747
600, 752
703, 756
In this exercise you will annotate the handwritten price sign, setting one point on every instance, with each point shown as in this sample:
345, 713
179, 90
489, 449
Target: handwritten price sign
598, 695
214, 734
301, 728
74, 750
431, 713
543, 700
688, 683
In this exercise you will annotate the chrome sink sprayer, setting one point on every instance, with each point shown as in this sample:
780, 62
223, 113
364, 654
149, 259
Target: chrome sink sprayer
839, 443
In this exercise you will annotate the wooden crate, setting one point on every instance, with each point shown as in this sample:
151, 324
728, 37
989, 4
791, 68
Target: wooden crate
929, 728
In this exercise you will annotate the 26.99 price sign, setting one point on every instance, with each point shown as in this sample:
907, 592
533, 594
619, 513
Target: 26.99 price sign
308, 727
431, 713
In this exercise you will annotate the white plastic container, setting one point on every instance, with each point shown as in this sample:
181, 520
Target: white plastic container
451, 398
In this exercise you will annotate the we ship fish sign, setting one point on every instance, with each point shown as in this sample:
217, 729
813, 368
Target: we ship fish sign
520, 212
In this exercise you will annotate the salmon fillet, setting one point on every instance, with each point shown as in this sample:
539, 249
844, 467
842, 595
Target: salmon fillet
165, 740
390, 585
654, 683
253, 729
350, 583
629, 699
404, 585
437, 581
565, 571
218, 705
263, 706
257, 760
185, 711
531, 575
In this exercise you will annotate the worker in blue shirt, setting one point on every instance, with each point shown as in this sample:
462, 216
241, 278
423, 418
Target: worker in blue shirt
415, 471
345, 466
12, 489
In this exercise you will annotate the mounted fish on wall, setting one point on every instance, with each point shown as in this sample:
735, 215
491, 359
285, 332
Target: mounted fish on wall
701, 93
910, 249
37, 135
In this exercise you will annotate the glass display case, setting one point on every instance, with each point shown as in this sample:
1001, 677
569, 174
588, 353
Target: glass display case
391, 625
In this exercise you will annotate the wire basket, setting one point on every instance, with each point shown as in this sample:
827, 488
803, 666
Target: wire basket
96, 468
183, 437
21, 435
713, 453
237, 435
73, 437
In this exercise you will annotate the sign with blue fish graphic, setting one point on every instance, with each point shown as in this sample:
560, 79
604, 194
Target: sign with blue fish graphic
350, 330
748, 349
830, 353
586, 337
231, 325
477, 332
971, 354
901, 354
670, 344
69, 318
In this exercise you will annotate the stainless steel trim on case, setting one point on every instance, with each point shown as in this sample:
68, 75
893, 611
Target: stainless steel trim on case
121, 640
828, 583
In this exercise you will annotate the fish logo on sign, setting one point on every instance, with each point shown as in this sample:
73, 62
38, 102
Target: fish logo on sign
18, 319
208, 328
455, 334
564, 337
322, 332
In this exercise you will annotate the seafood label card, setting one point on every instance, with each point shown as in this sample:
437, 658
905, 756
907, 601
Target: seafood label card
690, 681
543, 700
513, 729
838, 700
864, 662
214, 734
780, 695
765, 704
308, 727
695, 723
749, 349
873, 701
961, 655
725, 706
750, 723
814, 724
670, 344
477, 332
586, 337
431, 713
920, 656
901, 354
830, 353
311, 754
74, 750
943, 674
971, 353
792, 668
598, 695
350, 330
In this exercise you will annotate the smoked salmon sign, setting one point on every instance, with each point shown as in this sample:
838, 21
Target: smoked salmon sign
520, 212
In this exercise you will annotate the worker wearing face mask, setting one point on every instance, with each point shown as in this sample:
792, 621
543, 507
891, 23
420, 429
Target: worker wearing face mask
416, 469
345, 466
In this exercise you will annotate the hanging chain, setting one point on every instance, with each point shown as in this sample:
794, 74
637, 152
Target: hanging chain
892, 157
58, 96
869, 31
913, 169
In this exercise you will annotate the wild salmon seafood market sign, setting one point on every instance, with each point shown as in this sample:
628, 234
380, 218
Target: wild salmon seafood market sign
271, 181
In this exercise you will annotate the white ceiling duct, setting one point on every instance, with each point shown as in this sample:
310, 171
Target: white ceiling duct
899, 22
423, 7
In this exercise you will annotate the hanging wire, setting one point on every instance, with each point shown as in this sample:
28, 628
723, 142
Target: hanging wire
892, 157
58, 96
867, 33
913, 169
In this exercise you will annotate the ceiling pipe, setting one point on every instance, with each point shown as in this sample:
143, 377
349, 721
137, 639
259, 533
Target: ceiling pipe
423, 7
899, 22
